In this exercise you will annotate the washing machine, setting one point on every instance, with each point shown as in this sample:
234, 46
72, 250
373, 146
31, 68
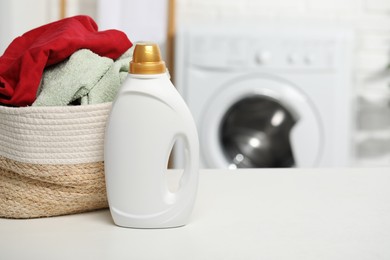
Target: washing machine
267, 97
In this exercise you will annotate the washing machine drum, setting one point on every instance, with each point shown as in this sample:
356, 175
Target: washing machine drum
255, 132
260, 122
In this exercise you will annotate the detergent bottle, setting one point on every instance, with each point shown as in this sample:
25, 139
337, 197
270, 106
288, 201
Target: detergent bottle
147, 117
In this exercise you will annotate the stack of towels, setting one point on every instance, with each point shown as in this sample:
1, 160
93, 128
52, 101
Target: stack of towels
67, 62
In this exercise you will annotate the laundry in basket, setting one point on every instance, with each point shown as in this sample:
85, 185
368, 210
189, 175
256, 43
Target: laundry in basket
51, 153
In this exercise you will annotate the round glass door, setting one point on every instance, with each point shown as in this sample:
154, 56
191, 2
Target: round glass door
255, 133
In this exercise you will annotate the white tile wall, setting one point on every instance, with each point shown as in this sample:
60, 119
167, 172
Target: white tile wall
380, 6
371, 21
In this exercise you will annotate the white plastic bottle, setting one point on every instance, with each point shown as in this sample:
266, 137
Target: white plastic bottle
146, 119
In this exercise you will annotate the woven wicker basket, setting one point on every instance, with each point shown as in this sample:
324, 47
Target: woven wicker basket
51, 160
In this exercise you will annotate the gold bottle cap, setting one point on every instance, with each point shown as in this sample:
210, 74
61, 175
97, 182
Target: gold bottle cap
147, 59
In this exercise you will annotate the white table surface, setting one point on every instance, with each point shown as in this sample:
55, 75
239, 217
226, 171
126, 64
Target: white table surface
245, 214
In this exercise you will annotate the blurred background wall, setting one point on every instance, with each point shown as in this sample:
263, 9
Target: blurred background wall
370, 20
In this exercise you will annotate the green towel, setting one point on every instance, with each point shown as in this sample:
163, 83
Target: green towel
84, 78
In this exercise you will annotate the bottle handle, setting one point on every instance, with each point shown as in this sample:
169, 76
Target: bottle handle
189, 179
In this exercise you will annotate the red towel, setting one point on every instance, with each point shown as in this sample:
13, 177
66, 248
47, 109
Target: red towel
23, 62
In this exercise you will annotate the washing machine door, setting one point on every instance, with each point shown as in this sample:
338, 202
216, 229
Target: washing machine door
256, 122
